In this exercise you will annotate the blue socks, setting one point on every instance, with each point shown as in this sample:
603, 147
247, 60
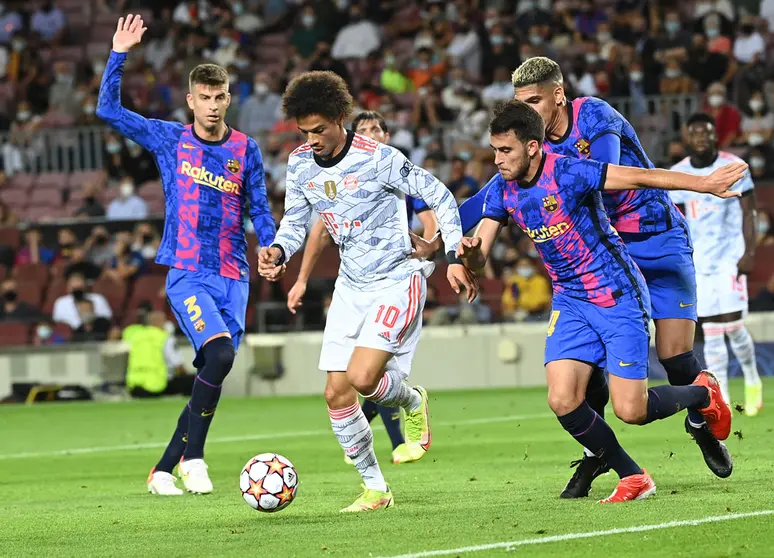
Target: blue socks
665, 401
176, 445
391, 418
218, 356
592, 432
682, 371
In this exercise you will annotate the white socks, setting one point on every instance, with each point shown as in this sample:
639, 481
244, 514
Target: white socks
356, 438
744, 349
392, 391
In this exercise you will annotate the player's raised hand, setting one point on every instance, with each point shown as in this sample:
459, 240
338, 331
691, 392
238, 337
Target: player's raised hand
129, 32
468, 246
460, 276
722, 179
295, 295
267, 261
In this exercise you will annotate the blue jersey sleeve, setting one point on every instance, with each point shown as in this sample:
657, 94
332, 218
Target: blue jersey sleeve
579, 178
418, 205
607, 149
149, 133
260, 213
472, 209
494, 207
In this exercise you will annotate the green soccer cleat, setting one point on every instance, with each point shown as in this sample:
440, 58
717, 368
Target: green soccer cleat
370, 500
753, 399
418, 433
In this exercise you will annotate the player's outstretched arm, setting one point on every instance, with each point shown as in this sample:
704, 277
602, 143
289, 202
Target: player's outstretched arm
144, 131
475, 250
472, 209
717, 183
255, 182
292, 230
318, 239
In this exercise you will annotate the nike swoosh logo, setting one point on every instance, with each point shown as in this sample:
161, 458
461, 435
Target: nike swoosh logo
684, 305
208, 413
188, 146
625, 364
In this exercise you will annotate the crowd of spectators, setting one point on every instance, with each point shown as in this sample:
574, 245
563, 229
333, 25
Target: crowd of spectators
433, 68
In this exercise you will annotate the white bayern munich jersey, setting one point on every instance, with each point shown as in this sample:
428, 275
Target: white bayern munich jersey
360, 196
715, 223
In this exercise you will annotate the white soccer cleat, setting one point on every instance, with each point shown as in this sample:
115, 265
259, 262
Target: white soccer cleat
163, 483
193, 473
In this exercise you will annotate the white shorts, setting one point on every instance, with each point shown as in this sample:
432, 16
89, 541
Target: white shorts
721, 293
389, 320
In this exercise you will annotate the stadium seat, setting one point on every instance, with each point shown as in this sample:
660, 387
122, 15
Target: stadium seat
64, 331
114, 292
16, 198
21, 181
76, 180
56, 288
9, 236
31, 291
12, 334
31, 273
146, 287
45, 197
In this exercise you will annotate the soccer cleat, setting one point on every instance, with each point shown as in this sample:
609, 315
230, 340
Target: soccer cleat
715, 452
347, 460
193, 472
407, 453
633, 487
370, 500
717, 413
753, 399
162, 483
587, 470
418, 425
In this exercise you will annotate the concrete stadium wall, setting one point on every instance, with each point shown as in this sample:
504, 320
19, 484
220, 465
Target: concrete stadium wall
454, 357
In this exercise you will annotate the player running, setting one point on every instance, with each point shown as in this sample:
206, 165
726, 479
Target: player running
370, 124
724, 236
357, 186
208, 172
600, 310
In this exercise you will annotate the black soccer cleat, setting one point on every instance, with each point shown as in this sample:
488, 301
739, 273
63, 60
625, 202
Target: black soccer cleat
715, 452
587, 470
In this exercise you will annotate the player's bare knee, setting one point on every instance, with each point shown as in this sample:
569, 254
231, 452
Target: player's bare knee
631, 412
364, 382
563, 402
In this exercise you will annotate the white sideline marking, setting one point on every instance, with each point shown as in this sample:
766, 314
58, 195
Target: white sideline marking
591, 534
250, 437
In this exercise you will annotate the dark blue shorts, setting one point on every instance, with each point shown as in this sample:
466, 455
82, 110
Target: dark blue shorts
207, 304
615, 338
666, 262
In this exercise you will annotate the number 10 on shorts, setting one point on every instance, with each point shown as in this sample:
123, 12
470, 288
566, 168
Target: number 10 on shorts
389, 317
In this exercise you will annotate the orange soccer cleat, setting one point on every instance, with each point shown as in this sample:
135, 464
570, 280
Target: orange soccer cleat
717, 413
633, 487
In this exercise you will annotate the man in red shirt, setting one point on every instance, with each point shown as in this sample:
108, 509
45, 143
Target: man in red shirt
728, 120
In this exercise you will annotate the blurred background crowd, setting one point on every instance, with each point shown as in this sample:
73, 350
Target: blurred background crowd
81, 208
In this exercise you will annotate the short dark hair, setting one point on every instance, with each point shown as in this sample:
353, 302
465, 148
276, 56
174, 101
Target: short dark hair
520, 118
323, 93
370, 115
208, 74
700, 118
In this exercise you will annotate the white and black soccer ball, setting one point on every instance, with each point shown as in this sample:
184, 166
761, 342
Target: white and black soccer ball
268, 482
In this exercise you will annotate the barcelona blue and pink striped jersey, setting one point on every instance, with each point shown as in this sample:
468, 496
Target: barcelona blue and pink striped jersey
630, 211
207, 186
562, 212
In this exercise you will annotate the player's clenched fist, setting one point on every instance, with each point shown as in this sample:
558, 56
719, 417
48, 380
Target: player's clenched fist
129, 32
267, 263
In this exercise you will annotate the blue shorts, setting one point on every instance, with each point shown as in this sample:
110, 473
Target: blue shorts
666, 262
615, 338
207, 304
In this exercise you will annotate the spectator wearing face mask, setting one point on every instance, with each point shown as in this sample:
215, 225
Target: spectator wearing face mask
503, 51
113, 150
126, 263
359, 38
758, 121
66, 243
80, 264
49, 22
761, 163
392, 78
91, 207
749, 47
426, 65
716, 40
708, 67
65, 307
145, 241
14, 310
728, 120
675, 39
25, 144
261, 111
45, 334
527, 293
674, 81
62, 96
307, 33
128, 205
92, 327
99, 248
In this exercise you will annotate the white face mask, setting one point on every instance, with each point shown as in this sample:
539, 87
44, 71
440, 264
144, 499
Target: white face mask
756, 104
715, 100
307, 20
604, 37
636, 76
23, 115
755, 139
712, 33
44, 332
114, 148
260, 88
672, 73
592, 58
88, 109
763, 227
758, 163
525, 272
127, 189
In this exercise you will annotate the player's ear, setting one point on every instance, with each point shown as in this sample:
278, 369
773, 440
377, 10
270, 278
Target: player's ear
559, 96
532, 148
189, 99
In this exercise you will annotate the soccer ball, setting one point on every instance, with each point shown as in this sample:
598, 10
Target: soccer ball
268, 482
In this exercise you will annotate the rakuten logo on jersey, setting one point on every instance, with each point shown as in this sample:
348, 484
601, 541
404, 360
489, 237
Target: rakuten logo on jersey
544, 233
204, 177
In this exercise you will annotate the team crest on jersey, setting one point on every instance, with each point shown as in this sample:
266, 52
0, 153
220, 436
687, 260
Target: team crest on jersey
583, 146
233, 166
330, 189
350, 182
199, 326
550, 204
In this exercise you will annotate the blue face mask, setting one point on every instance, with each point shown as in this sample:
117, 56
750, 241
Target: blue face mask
672, 27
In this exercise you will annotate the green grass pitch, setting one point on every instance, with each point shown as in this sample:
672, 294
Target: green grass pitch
493, 475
